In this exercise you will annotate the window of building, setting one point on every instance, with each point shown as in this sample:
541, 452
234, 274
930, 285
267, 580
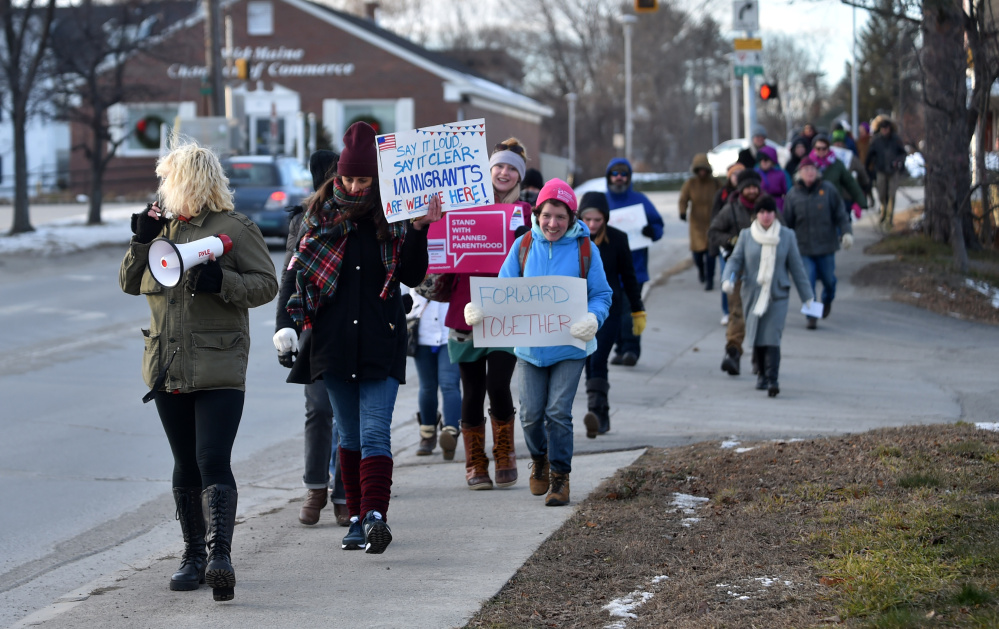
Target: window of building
143, 125
260, 18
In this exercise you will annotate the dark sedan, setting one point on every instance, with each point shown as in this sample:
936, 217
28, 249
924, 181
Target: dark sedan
263, 187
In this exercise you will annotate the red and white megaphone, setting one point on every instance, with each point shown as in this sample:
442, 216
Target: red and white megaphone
168, 261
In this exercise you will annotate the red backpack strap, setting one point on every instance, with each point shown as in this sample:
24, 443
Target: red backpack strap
584, 256
525, 246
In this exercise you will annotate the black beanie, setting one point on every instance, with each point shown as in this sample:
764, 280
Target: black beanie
322, 164
533, 179
594, 200
748, 177
765, 202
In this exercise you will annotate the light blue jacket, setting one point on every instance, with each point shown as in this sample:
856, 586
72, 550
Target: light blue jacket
561, 258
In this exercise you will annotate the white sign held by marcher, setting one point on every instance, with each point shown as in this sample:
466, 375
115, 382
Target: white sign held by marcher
448, 160
631, 220
528, 311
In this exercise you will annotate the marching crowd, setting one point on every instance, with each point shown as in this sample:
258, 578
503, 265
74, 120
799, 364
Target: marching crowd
355, 301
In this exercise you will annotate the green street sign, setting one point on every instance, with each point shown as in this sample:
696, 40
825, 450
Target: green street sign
744, 70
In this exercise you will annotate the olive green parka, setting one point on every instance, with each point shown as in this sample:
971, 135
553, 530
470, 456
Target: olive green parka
206, 334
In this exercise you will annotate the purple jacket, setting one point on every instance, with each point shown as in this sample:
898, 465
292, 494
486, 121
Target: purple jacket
776, 183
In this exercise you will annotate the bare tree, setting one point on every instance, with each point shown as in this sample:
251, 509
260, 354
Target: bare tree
795, 68
93, 50
26, 29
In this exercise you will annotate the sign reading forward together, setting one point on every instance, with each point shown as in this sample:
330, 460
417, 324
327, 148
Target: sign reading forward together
528, 311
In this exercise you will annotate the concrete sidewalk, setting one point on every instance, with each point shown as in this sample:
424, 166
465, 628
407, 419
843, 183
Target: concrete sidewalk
872, 363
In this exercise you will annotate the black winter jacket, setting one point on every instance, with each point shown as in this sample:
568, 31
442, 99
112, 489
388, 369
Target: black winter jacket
615, 253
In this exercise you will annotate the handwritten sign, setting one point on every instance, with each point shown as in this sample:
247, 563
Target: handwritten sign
473, 241
528, 311
449, 160
631, 220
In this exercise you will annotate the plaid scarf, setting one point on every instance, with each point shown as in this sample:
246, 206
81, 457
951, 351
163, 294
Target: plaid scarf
320, 255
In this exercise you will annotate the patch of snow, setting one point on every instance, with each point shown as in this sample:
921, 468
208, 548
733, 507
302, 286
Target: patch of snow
984, 288
731, 443
688, 521
987, 426
741, 450
687, 502
624, 607
71, 234
657, 579
616, 625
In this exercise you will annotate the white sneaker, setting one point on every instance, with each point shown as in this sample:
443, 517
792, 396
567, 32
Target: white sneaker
724, 320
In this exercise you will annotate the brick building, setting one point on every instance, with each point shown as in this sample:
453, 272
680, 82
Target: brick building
303, 58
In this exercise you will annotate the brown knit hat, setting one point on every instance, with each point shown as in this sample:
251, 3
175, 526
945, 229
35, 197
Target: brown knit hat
359, 157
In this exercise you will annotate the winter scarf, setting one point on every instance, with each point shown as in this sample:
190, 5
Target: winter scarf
320, 255
822, 162
768, 239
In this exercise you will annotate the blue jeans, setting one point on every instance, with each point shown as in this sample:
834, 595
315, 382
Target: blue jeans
626, 340
363, 413
596, 363
546, 395
434, 368
822, 268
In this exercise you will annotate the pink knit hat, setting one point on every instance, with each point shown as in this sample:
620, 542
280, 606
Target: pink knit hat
557, 190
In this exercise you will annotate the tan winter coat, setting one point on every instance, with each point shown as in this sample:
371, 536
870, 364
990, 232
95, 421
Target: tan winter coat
207, 334
698, 194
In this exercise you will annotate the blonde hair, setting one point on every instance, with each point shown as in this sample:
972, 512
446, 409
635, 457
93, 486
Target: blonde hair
191, 179
513, 194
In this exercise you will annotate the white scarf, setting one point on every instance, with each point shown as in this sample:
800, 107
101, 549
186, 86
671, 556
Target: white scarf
768, 238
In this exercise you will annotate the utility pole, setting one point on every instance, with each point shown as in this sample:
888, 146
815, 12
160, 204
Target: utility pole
734, 100
571, 100
627, 21
213, 57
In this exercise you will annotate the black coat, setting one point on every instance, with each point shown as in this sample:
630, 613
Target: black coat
357, 335
615, 253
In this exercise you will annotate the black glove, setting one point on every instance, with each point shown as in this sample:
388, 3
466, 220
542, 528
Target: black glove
145, 227
407, 303
683, 217
287, 360
210, 278
648, 232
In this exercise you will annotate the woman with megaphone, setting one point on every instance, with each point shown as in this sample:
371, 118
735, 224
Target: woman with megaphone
348, 268
197, 345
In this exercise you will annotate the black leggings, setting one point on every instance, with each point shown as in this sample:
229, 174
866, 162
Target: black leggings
201, 427
476, 382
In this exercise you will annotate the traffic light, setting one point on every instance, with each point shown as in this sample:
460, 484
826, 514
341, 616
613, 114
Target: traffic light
242, 69
646, 6
768, 91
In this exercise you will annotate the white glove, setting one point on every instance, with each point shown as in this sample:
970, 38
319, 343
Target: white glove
586, 328
473, 314
846, 241
286, 340
728, 287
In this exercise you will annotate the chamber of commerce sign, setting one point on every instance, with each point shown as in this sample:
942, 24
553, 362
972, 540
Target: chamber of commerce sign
266, 61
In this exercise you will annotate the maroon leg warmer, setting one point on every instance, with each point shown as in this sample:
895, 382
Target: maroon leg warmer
376, 484
350, 472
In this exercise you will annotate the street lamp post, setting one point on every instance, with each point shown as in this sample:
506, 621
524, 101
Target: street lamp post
627, 21
571, 100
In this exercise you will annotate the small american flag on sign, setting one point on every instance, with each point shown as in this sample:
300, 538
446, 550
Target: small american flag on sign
386, 142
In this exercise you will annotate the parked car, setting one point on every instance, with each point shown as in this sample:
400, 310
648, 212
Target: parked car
264, 186
726, 154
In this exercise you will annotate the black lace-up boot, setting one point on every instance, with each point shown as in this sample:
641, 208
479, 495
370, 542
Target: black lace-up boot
218, 503
192, 524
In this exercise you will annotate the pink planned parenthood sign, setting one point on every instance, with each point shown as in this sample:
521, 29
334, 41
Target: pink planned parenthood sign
475, 240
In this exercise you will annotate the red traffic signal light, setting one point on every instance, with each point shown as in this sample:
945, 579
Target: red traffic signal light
768, 91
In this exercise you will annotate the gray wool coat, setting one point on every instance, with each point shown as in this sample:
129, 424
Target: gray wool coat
745, 264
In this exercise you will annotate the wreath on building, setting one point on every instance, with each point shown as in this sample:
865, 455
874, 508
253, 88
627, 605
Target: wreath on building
147, 131
375, 123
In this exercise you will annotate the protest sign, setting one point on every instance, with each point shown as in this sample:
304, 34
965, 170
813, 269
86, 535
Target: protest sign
631, 220
449, 160
528, 311
473, 241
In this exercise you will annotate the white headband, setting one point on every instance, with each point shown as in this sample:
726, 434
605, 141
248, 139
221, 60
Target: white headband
511, 159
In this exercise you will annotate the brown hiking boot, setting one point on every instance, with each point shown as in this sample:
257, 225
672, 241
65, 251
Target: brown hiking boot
476, 462
504, 455
558, 493
449, 441
428, 439
539, 475
315, 500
